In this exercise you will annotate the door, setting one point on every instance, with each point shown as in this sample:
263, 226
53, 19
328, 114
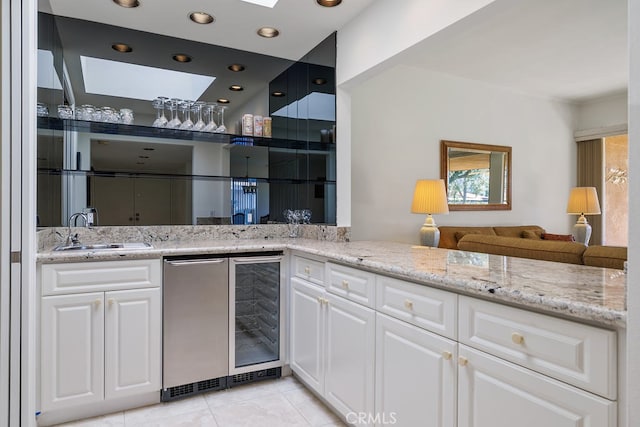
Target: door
410, 358
307, 333
72, 350
350, 356
496, 393
132, 342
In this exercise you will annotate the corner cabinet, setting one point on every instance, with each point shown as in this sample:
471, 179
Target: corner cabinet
441, 359
100, 332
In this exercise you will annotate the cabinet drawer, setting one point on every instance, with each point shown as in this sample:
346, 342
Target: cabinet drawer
428, 308
80, 277
353, 284
307, 269
582, 355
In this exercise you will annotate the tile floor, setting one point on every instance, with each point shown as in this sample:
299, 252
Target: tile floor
283, 402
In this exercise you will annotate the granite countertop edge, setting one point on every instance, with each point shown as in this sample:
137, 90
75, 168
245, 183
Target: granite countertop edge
375, 261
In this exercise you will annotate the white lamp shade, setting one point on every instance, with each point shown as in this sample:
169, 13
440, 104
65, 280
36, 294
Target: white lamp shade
430, 197
583, 201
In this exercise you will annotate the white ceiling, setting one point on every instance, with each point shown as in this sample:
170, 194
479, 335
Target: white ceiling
572, 50
303, 24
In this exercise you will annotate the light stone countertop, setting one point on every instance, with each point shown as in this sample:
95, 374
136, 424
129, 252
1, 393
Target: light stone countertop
587, 294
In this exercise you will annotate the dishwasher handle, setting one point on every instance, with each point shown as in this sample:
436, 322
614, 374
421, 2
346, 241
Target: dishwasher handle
258, 259
183, 262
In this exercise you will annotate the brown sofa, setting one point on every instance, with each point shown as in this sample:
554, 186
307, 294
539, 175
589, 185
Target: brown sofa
509, 241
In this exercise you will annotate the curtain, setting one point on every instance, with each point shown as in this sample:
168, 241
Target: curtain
590, 174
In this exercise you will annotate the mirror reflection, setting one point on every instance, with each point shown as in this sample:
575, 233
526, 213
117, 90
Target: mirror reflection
477, 176
135, 174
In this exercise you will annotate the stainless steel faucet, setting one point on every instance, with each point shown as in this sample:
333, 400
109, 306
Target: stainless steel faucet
73, 240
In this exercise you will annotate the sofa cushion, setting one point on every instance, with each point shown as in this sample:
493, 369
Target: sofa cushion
532, 234
548, 250
515, 231
448, 238
605, 256
560, 237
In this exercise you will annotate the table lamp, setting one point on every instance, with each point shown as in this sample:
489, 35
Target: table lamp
430, 197
583, 201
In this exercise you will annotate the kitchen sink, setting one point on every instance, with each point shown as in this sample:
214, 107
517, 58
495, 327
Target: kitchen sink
101, 246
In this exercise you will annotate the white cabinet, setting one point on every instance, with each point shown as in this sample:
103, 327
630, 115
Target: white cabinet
332, 346
99, 345
496, 393
415, 375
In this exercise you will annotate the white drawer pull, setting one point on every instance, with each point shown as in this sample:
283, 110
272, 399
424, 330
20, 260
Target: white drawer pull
97, 302
345, 284
408, 304
446, 355
307, 270
462, 361
517, 338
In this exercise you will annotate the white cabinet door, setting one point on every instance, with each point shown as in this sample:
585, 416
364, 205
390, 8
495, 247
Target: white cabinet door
307, 333
415, 376
496, 393
132, 342
350, 356
72, 352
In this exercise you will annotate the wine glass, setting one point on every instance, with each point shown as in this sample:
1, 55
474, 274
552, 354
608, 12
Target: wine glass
175, 122
210, 110
185, 107
221, 128
197, 108
161, 120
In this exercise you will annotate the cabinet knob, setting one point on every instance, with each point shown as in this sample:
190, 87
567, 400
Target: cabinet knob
408, 304
463, 361
517, 338
345, 284
307, 270
111, 301
97, 302
446, 355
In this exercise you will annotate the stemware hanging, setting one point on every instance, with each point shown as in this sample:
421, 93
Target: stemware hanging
197, 109
159, 104
175, 122
185, 107
210, 110
221, 128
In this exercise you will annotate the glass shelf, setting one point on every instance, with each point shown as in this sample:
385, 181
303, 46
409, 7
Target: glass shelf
231, 140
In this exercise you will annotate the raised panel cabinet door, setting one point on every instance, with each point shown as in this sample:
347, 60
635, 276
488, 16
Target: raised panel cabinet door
307, 333
416, 382
132, 342
496, 393
350, 365
72, 350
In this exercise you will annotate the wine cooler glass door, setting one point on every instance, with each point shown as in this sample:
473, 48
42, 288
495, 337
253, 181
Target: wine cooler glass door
255, 313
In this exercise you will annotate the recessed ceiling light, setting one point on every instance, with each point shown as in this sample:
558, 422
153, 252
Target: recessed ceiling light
236, 88
127, 3
223, 101
277, 93
121, 47
181, 57
236, 67
268, 32
329, 3
201, 17
319, 81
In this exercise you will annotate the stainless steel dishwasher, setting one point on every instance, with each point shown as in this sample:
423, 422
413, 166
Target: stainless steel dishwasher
195, 326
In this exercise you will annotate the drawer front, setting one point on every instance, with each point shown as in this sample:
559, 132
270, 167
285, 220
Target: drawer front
428, 308
307, 269
80, 277
582, 355
350, 283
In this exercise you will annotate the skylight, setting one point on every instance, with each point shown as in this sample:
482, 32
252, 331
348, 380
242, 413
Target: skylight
315, 106
113, 78
47, 76
265, 3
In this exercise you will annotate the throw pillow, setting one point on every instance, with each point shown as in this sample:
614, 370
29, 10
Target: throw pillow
532, 234
560, 237
461, 234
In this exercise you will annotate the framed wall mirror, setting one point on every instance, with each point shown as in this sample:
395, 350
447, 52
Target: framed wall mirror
477, 176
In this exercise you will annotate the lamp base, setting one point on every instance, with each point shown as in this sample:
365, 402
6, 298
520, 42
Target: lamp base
582, 232
429, 233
